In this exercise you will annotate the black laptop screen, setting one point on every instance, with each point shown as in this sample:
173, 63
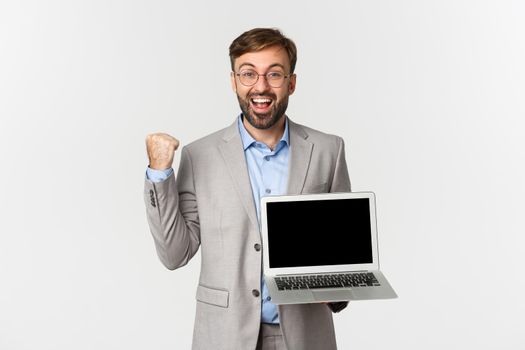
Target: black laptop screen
319, 232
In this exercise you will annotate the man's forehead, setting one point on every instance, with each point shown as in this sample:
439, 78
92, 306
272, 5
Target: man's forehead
267, 58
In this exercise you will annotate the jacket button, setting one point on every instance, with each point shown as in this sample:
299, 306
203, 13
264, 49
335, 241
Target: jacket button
152, 198
255, 293
257, 247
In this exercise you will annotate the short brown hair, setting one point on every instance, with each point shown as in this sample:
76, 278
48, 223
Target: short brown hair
258, 39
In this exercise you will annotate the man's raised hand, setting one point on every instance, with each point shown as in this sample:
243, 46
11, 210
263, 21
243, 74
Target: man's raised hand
161, 149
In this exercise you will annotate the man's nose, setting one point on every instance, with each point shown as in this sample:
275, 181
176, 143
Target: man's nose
262, 84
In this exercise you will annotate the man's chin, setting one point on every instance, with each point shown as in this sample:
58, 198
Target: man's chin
262, 121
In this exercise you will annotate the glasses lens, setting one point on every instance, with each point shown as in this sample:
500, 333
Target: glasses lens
275, 79
248, 77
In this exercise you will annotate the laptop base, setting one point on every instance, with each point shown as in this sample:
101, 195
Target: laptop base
309, 296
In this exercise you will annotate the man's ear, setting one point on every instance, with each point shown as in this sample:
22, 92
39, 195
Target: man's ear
233, 82
291, 84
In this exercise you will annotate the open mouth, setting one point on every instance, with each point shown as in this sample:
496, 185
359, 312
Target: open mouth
261, 104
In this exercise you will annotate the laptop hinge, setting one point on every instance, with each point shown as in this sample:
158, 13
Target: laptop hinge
320, 273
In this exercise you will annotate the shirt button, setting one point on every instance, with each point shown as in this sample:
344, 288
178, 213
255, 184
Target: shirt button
255, 293
268, 298
267, 158
257, 247
268, 190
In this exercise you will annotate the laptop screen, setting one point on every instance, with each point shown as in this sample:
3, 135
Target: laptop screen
319, 232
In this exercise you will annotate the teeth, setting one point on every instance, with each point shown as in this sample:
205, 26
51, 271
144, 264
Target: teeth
261, 100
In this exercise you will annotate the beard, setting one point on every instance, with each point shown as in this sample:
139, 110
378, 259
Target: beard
263, 121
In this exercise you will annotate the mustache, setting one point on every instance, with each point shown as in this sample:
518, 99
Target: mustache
271, 95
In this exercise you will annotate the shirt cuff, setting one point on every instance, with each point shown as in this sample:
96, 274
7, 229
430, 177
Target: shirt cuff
158, 175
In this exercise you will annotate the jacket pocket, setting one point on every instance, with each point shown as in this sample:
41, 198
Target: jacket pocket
212, 296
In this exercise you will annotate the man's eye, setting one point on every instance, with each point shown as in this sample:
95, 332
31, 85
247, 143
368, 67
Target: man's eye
248, 74
275, 75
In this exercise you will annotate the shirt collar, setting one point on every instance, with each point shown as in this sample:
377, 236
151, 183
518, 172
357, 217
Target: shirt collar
248, 140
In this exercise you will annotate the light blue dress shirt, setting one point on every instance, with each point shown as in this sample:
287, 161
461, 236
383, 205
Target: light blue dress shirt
268, 171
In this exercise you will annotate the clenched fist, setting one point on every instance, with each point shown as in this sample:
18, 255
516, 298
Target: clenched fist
161, 149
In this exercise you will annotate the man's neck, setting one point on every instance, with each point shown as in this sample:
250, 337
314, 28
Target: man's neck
270, 137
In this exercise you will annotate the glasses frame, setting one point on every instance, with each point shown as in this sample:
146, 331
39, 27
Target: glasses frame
286, 76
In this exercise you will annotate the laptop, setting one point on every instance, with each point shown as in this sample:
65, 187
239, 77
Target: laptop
322, 248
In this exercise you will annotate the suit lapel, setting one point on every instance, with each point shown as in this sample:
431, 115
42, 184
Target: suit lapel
233, 154
300, 154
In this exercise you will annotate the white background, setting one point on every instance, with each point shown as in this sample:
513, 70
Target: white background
429, 96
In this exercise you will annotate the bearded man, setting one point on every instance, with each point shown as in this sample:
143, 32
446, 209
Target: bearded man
214, 203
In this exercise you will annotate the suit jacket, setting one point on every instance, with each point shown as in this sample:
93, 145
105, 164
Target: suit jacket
210, 205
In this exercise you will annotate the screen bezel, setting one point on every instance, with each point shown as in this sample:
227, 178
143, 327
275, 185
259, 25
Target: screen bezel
320, 268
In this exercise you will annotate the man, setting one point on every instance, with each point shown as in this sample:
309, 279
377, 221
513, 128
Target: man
214, 203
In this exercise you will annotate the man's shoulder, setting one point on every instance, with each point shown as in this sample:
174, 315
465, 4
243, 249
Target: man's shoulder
210, 140
315, 136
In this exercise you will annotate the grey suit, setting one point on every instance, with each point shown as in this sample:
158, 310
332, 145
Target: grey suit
211, 205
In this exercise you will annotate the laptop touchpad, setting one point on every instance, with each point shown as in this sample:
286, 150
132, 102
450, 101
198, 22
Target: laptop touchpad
332, 295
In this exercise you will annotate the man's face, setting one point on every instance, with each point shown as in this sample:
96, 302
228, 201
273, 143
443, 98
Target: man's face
261, 104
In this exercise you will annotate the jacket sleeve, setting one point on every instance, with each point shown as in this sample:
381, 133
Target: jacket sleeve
171, 209
340, 183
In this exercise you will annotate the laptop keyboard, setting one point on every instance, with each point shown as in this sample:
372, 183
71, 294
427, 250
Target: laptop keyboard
360, 279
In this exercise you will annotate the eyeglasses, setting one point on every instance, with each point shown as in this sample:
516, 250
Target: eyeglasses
249, 77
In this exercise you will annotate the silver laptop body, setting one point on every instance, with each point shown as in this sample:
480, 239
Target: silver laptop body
322, 248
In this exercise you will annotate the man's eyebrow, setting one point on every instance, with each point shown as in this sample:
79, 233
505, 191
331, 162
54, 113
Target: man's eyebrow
246, 64
253, 66
277, 65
